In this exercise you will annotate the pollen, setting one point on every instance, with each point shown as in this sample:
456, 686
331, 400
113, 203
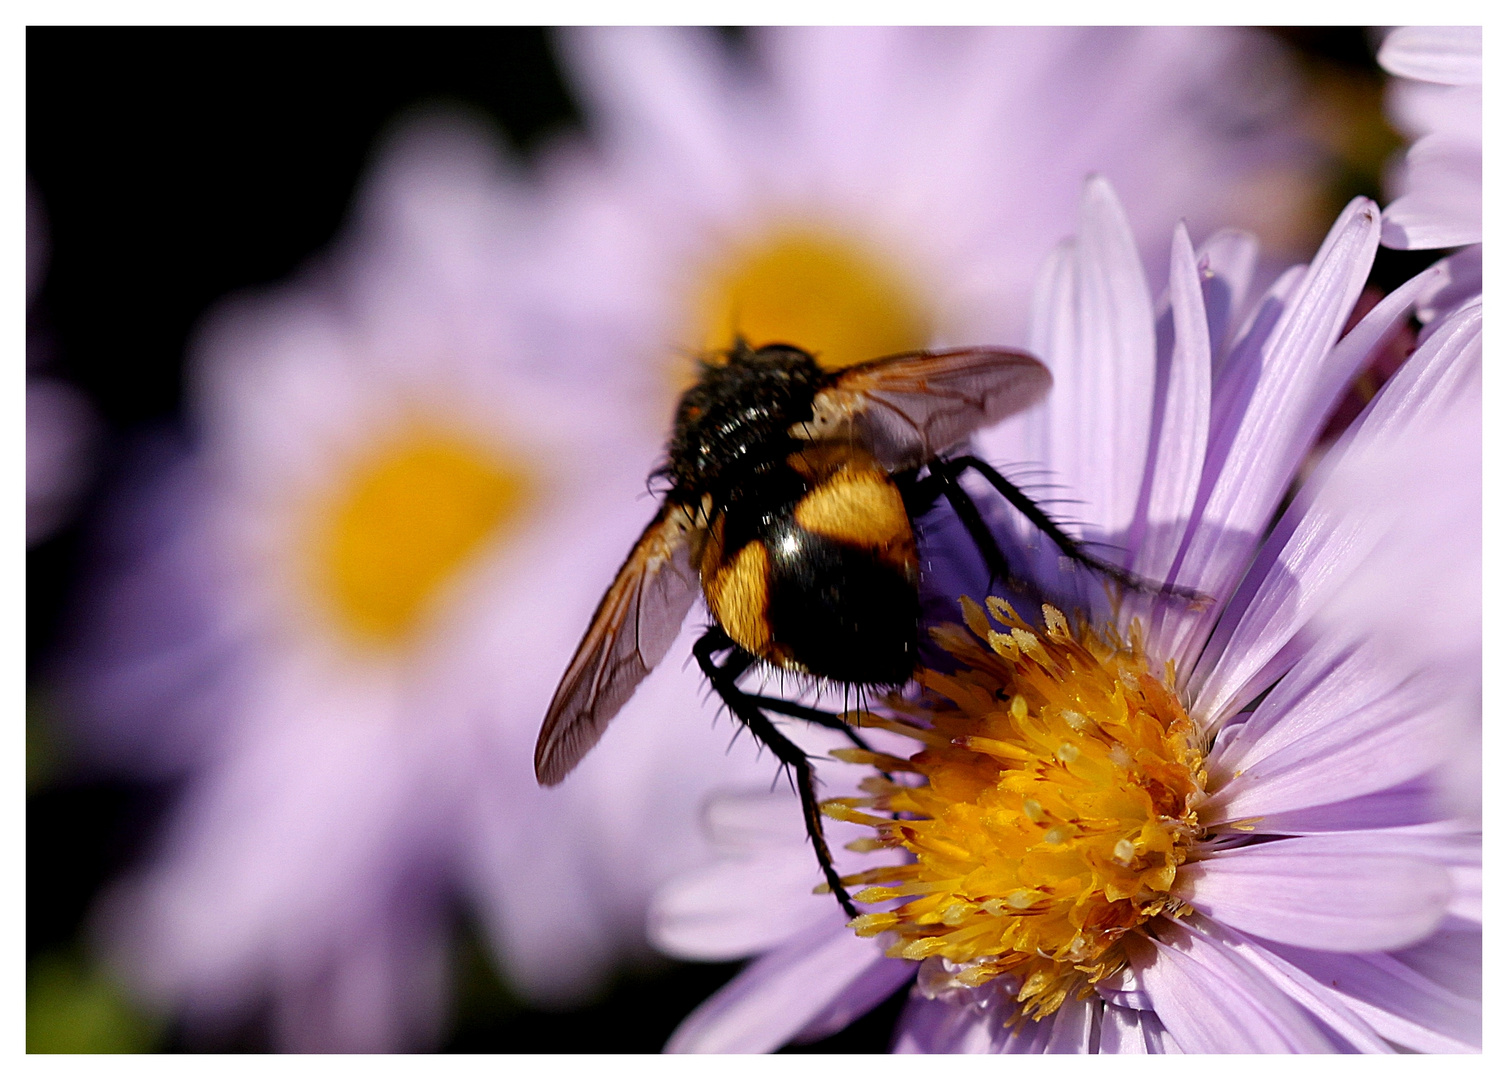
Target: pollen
837, 297
1046, 815
400, 524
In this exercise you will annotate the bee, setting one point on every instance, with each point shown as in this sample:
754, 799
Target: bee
791, 498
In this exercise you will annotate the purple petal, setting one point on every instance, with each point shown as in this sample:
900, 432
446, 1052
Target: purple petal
1413, 802
1132, 1031
1336, 727
1466, 894
1393, 998
706, 913
1226, 262
1319, 1000
1440, 54
839, 87
964, 1022
960, 1021
1181, 424
1462, 282
1451, 959
778, 995
1092, 325
1073, 1028
1212, 1001
1392, 521
1266, 413
1155, 1034
873, 985
1305, 553
1052, 331
1124, 989
1443, 369
1120, 1031
709, 914
1070, 1030
1442, 201
1111, 380
659, 93
1346, 892
1418, 109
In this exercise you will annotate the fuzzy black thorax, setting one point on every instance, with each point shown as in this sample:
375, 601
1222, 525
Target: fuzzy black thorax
734, 425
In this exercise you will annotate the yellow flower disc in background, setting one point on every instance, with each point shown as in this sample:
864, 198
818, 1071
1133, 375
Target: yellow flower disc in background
833, 296
405, 520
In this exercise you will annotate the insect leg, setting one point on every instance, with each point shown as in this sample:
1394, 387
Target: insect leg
716, 640
815, 716
723, 678
1074, 549
963, 505
941, 481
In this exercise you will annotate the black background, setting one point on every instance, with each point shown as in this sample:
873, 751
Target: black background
178, 165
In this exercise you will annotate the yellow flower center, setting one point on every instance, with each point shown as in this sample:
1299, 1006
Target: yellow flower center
835, 297
402, 522
1060, 778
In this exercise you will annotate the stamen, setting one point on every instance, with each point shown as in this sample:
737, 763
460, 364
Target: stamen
900, 727
883, 762
1061, 780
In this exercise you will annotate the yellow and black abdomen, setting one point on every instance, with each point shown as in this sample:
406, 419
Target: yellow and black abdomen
823, 580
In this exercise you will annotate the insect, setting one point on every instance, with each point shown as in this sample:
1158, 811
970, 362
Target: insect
792, 493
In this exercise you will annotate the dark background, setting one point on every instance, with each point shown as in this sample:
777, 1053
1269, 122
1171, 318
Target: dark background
178, 165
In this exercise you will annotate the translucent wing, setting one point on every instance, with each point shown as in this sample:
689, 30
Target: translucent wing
633, 626
908, 409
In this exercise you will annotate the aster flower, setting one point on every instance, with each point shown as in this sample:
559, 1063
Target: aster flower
1436, 101
865, 191
1150, 825
339, 619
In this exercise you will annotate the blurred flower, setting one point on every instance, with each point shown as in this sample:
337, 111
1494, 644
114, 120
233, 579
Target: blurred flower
341, 617
864, 191
1436, 101
1260, 860
61, 427
61, 430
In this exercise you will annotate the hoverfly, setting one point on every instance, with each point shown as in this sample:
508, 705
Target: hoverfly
790, 508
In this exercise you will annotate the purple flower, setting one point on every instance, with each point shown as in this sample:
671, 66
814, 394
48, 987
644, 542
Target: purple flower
338, 621
864, 191
1160, 826
1437, 102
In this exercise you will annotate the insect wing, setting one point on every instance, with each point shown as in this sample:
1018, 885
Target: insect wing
634, 625
908, 409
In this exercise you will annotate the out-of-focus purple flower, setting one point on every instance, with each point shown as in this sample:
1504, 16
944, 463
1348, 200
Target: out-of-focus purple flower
864, 191
1308, 881
61, 430
61, 427
340, 618
1437, 102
